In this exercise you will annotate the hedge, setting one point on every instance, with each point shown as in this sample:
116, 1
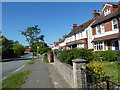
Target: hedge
109, 55
67, 56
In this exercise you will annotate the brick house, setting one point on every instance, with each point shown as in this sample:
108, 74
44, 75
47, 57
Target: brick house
80, 36
106, 29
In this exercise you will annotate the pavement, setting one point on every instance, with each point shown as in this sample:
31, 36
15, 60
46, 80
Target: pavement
44, 75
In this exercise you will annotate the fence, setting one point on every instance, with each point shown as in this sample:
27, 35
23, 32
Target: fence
94, 81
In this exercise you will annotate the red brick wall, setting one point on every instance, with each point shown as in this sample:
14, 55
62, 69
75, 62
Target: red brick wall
94, 31
108, 26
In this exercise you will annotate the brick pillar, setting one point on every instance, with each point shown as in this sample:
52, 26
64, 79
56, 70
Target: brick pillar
77, 73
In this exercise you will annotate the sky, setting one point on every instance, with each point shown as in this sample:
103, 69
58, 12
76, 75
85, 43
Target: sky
55, 19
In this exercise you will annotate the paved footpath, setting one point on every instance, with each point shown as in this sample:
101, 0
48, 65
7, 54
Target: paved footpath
43, 76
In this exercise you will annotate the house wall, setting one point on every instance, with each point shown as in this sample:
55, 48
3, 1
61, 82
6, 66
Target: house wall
108, 26
108, 6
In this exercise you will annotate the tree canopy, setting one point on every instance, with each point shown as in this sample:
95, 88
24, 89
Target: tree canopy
33, 36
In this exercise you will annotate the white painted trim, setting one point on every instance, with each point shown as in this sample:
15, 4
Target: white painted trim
13, 72
113, 26
106, 5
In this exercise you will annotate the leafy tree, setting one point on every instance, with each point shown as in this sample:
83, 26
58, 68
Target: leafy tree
42, 47
15, 43
6, 47
18, 49
33, 36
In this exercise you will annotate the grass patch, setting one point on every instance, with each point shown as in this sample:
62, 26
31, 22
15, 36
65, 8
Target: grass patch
112, 70
31, 62
15, 80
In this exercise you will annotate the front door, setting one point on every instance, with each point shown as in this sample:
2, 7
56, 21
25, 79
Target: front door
116, 45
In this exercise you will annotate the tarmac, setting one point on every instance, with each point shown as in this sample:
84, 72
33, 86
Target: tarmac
44, 75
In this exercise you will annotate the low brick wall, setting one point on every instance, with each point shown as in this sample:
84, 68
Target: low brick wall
66, 71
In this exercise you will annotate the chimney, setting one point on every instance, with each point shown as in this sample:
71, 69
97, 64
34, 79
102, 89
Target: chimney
119, 3
74, 25
96, 13
64, 36
60, 40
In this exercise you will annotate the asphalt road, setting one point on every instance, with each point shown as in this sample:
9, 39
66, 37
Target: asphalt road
12, 65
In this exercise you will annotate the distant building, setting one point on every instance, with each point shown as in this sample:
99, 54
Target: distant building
27, 49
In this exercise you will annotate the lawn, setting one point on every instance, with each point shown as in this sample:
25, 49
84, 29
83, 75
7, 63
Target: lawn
31, 62
112, 70
15, 80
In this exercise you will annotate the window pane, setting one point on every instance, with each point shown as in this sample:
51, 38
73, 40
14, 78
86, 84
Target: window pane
114, 22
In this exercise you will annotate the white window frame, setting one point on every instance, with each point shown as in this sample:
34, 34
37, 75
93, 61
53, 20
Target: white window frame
97, 30
114, 24
102, 28
107, 11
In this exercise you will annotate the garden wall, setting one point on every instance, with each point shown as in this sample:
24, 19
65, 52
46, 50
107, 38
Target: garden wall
66, 71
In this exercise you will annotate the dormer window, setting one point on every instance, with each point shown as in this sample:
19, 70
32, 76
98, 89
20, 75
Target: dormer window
107, 12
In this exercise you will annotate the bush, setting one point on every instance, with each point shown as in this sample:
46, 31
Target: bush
18, 49
109, 55
67, 56
118, 53
7, 53
45, 59
97, 68
96, 58
96, 71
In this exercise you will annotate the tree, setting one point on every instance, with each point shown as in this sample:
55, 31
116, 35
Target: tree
18, 49
6, 47
42, 47
33, 36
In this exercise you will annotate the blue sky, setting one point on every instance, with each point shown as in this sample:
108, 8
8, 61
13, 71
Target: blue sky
54, 19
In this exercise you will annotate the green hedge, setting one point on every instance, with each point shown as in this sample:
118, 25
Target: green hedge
45, 59
67, 56
109, 55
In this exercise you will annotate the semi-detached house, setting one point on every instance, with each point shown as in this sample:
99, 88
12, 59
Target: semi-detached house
78, 37
106, 29
102, 32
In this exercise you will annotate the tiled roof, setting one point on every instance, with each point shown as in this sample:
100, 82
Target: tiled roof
103, 18
80, 27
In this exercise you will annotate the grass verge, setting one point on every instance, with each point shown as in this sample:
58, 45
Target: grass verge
15, 80
31, 62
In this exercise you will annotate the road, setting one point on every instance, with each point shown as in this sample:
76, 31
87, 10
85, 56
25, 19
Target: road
12, 65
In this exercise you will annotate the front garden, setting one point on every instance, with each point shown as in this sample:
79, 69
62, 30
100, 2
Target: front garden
104, 63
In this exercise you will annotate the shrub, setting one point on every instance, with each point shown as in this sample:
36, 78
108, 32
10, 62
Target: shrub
7, 53
96, 71
67, 56
96, 57
97, 68
45, 59
109, 55
118, 53
18, 49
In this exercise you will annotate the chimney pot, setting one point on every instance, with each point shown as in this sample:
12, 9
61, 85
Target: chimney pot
96, 13
74, 25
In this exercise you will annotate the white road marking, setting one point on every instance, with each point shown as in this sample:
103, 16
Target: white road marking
13, 72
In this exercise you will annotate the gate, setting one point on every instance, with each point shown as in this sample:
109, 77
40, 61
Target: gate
93, 81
